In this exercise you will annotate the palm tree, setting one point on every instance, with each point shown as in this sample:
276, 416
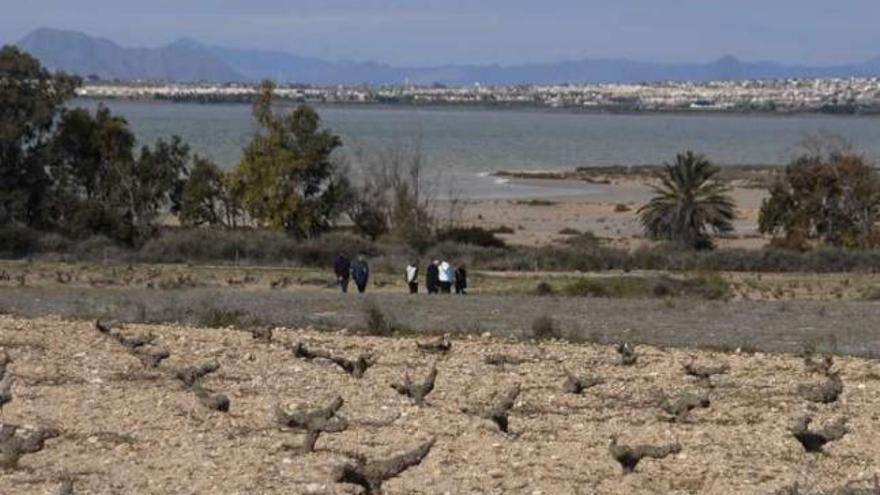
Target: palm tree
689, 200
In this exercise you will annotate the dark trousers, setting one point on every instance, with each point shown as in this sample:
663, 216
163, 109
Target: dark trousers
343, 284
361, 287
445, 287
459, 289
413, 287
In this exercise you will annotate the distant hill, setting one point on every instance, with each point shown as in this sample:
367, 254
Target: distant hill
190, 60
81, 54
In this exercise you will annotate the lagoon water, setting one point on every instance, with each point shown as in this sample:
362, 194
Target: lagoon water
462, 146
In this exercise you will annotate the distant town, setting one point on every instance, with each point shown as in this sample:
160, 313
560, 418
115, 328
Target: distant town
832, 95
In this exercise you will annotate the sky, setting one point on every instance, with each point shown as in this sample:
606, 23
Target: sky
433, 32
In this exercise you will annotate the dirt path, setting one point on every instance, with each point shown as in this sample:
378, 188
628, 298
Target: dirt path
127, 429
841, 327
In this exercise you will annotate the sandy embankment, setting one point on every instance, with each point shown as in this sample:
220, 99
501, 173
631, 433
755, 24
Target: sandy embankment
606, 206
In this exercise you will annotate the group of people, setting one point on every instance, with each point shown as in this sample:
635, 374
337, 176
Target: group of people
441, 277
358, 270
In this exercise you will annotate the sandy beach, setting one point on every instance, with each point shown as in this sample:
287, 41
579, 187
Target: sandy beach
606, 205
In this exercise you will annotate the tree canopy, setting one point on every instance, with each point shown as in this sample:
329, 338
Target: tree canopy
30, 99
832, 197
689, 202
287, 179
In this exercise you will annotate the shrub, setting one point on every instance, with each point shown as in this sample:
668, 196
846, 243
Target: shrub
221, 318
545, 328
621, 208
569, 231
710, 286
98, 247
375, 320
476, 236
616, 287
504, 229
544, 289
17, 241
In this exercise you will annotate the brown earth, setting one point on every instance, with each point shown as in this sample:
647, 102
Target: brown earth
130, 430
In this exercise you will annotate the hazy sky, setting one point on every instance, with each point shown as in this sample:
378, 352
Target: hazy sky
414, 32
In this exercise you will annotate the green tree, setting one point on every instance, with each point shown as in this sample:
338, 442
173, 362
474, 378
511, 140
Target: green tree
100, 186
30, 100
208, 198
689, 201
287, 179
829, 196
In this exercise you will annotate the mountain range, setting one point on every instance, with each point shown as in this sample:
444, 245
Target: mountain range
188, 60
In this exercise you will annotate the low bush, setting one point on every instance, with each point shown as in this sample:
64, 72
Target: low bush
545, 328
476, 236
18, 241
222, 318
375, 321
544, 289
706, 286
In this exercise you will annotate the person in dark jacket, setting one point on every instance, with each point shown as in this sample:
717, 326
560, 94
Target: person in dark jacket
461, 280
432, 277
360, 273
342, 268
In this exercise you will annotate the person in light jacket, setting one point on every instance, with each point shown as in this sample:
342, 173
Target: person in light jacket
412, 277
446, 277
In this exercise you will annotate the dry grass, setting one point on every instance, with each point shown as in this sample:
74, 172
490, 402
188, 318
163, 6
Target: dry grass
557, 442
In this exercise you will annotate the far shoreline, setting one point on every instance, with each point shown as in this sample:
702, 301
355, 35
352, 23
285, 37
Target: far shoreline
525, 108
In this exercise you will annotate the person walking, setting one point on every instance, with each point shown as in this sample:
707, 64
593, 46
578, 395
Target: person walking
360, 273
461, 280
446, 277
412, 277
432, 277
342, 268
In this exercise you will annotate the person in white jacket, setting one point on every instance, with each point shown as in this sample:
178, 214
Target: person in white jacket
412, 277
447, 277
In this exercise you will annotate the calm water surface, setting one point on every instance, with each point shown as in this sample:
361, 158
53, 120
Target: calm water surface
462, 145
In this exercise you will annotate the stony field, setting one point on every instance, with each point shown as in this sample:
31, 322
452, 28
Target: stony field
124, 427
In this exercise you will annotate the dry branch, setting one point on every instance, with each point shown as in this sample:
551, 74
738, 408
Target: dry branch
823, 393
627, 353
192, 374
629, 457
498, 412
440, 346
355, 368
815, 440
372, 474
679, 407
13, 444
210, 399
314, 422
417, 392
577, 384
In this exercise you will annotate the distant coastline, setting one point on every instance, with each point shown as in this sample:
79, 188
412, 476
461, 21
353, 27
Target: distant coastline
763, 97
866, 111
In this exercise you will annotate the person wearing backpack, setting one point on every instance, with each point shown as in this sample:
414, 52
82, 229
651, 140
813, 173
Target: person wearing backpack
360, 273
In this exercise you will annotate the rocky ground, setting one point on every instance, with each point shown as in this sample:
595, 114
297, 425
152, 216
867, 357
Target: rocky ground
125, 428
